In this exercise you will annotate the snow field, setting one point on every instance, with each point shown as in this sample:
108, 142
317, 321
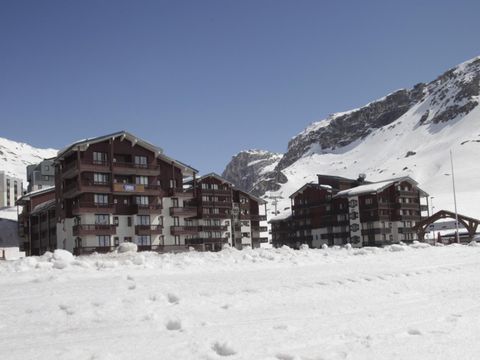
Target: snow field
400, 302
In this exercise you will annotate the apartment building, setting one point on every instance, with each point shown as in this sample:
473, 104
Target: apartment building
37, 224
225, 215
11, 188
337, 211
119, 188
247, 220
41, 175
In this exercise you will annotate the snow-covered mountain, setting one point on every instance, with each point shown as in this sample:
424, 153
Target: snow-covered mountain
408, 132
15, 156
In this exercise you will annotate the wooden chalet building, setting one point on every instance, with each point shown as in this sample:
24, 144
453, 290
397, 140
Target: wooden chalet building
119, 188
37, 223
337, 211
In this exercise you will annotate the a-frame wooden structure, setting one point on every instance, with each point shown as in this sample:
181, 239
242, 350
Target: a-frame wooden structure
469, 223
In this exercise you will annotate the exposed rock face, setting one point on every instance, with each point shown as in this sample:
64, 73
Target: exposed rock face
248, 168
343, 129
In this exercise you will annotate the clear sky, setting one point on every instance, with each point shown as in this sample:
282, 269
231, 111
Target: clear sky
206, 79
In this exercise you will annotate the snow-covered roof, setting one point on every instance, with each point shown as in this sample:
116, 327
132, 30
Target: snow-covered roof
376, 187
257, 199
216, 176
43, 206
311, 184
27, 196
284, 216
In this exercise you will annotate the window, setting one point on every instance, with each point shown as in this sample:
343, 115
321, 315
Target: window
216, 211
140, 161
204, 186
368, 201
99, 178
103, 240
176, 221
143, 220
115, 220
102, 219
100, 199
173, 183
127, 239
116, 241
177, 240
141, 200
160, 220
141, 180
46, 177
174, 202
129, 221
99, 158
144, 240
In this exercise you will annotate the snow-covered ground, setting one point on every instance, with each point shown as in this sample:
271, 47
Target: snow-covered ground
395, 303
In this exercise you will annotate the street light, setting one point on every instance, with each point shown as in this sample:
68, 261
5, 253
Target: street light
454, 196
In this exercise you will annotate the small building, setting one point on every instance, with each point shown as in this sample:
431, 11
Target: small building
9, 240
41, 175
37, 223
11, 188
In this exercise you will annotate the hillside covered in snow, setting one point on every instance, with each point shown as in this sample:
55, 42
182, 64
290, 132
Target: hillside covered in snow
15, 156
408, 132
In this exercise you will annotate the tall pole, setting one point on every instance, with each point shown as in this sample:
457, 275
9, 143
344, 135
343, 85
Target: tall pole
454, 198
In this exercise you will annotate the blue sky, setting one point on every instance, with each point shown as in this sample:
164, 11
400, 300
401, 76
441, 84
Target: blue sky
206, 79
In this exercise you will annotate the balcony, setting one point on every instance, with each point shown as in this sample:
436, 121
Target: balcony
215, 216
260, 239
146, 209
408, 193
123, 188
216, 192
148, 229
73, 168
180, 193
413, 206
217, 204
88, 207
376, 231
253, 217
201, 241
260, 228
130, 168
213, 228
183, 211
183, 230
94, 229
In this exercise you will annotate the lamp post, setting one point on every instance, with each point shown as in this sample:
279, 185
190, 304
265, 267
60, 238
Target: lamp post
454, 198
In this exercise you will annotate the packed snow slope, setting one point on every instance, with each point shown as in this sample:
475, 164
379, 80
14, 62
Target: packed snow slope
408, 132
395, 303
15, 156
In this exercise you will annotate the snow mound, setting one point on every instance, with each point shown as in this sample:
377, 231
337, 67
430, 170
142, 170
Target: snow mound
61, 258
127, 247
473, 243
223, 349
419, 245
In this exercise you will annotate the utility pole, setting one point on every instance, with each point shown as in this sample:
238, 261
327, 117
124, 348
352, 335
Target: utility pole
275, 202
454, 198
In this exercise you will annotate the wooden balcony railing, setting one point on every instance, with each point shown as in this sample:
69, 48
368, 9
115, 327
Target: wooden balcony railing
183, 230
86, 207
94, 229
183, 211
148, 229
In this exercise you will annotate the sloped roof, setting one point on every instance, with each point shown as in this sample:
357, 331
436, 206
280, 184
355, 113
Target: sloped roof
43, 206
257, 199
27, 196
216, 176
282, 217
311, 184
376, 187
83, 145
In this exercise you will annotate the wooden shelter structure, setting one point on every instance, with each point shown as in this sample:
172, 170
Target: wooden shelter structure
469, 223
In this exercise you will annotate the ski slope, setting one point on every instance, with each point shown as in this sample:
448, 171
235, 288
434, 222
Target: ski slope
400, 302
